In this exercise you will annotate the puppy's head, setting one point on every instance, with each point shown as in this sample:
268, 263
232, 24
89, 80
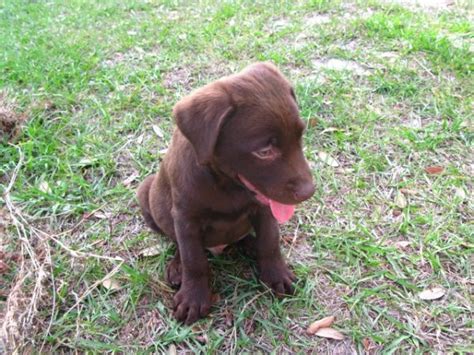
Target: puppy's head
247, 125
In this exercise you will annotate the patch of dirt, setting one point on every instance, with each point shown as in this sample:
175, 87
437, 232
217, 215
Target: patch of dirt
217, 70
297, 251
391, 55
426, 4
4, 222
412, 120
309, 33
340, 65
331, 298
144, 328
189, 77
350, 46
461, 41
277, 24
17, 301
132, 225
317, 19
10, 120
352, 12
292, 71
302, 40
304, 75
179, 77
133, 55
339, 348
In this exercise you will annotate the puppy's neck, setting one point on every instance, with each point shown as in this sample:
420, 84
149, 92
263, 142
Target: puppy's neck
223, 180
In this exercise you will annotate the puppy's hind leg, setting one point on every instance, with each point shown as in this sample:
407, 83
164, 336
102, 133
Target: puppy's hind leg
143, 199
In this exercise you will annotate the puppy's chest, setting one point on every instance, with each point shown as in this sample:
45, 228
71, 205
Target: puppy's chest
222, 232
221, 227
228, 213
228, 201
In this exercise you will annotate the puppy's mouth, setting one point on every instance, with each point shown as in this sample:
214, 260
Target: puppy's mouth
280, 211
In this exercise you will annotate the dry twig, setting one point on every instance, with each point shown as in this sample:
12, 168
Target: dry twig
21, 314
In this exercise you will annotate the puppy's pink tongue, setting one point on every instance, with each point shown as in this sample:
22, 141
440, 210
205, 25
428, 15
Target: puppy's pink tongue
281, 212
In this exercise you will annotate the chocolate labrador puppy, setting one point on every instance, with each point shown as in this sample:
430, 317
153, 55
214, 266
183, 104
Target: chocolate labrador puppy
235, 164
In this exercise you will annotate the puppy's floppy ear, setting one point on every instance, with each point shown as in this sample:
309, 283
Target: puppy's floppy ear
200, 117
293, 95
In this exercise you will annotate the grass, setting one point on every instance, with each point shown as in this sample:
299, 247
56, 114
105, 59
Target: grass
91, 81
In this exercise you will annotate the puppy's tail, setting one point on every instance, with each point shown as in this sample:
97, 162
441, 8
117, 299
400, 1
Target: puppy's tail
143, 199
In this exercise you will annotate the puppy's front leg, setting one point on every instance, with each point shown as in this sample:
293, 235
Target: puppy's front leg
193, 299
273, 270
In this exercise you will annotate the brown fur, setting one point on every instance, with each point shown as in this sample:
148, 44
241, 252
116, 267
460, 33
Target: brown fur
197, 198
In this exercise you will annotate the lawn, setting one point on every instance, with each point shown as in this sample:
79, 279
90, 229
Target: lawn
86, 94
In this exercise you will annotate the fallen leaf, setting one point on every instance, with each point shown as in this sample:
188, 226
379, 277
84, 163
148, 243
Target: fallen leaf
433, 170
85, 162
128, 181
432, 293
249, 326
400, 200
152, 251
408, 191
322, 323
228, 317
215, 298
139, 140
3, 267
326, 158
16, 257
330, 129
44, 186
157, 131
330, 334
287, 239
172, 350
403, 243
460, 193
366, 344
202, 338
313, 122
48, 105
111, 284
102, 215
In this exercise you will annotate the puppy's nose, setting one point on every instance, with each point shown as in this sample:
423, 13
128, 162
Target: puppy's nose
304, 190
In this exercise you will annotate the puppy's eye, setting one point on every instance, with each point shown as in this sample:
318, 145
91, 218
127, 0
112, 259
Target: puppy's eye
265, 153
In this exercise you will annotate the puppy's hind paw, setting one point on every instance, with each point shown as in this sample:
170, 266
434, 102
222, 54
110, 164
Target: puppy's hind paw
173, 272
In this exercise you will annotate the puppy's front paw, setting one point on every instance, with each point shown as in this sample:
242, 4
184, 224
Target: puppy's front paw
193, 301
278, 277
